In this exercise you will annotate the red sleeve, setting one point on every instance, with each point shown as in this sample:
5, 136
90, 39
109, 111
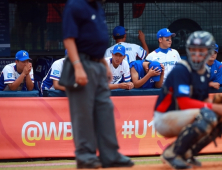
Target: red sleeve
188, 103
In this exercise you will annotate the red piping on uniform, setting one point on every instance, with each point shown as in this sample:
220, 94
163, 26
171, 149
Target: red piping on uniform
166, 102
188, 103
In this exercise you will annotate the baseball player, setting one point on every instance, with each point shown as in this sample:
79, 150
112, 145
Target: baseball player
51, 80
147, 74
18, 76
182, 109
120, 69
164, 54
215, 68
133, 51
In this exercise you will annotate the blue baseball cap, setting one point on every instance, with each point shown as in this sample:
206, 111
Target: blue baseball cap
119, 31
155, 64
119, 49
164, 32
66, 52
22, 55
216, 48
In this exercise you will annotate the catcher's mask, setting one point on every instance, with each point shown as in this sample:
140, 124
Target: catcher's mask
199, 47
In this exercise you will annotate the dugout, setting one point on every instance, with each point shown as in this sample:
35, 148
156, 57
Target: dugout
36, 25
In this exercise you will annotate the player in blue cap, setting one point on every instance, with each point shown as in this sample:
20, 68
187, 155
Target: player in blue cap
215, 69
164, 54
133, 51
19, 75
147, 74
120, 69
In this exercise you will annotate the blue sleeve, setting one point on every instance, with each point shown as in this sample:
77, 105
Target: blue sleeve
180, 78
70, 21
218, 77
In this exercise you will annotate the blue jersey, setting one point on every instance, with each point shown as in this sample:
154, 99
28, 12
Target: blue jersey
138, 65
182, 81
87, 25
216, 72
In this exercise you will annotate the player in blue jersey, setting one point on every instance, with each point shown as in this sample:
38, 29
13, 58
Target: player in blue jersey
147, 74
215, 69
183, 109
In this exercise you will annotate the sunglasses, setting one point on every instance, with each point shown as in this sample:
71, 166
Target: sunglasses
167, 39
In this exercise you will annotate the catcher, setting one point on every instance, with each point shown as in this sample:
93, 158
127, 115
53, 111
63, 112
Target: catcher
183, 109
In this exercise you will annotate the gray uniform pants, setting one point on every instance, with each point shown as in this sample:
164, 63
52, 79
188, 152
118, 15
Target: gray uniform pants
92, 116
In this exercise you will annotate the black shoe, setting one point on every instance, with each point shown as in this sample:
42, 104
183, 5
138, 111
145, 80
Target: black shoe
194, 162
123, 161
175, 162
91, 164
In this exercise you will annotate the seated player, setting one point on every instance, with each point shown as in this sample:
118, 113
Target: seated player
18, 76
120, 69
215, 69
182, 109
147, 74
51, 80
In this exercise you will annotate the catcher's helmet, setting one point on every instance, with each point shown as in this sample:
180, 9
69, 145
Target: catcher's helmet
199, 40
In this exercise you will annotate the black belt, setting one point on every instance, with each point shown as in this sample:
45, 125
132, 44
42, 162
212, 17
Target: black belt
87, 57
98, 60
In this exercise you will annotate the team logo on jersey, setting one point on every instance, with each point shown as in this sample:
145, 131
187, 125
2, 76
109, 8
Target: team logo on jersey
215, 71
202, 78
184, 89
9, 75
55, 72
151, 81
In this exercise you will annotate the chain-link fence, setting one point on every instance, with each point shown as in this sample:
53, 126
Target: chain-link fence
36, 25
180, 17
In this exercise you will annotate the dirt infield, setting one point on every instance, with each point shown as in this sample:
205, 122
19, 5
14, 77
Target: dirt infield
205, 166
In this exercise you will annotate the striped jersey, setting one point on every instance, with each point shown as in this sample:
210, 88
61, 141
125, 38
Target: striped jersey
54, 73
121, 73
9, 75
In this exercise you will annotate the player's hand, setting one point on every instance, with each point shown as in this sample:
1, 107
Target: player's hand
123, 86
217, 108
141, 36
80, 75
215, 85
27, 68
154, 72
163, 68
130, 85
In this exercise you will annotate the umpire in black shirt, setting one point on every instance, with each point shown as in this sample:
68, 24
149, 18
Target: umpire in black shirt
85, 37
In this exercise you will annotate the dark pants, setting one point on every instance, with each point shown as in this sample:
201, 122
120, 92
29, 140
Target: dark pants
92, 116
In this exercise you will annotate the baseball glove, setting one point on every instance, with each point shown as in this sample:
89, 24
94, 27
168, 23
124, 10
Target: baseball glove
217, 98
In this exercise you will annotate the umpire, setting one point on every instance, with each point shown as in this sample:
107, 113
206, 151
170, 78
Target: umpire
86, 39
